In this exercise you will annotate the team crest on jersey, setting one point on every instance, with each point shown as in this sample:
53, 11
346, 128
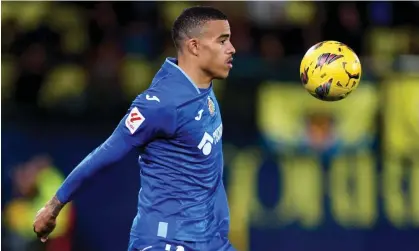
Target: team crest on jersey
211, 106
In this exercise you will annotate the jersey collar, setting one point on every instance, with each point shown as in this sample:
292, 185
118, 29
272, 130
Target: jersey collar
171, 64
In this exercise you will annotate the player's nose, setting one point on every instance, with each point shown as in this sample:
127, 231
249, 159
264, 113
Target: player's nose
231, 50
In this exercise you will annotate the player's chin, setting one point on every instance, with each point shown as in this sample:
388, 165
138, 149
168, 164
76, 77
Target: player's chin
222, 74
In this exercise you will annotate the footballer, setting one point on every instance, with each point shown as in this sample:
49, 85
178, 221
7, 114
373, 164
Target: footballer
182, 204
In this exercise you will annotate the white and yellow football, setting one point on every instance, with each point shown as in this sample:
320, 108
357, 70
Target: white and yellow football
330, 71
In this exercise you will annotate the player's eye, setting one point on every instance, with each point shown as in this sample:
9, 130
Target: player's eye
223, 41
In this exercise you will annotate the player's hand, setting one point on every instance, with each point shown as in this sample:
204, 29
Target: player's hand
45, 219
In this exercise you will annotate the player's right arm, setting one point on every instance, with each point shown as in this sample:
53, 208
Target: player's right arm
147, 118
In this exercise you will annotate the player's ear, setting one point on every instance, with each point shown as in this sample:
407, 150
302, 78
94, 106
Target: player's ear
193, 46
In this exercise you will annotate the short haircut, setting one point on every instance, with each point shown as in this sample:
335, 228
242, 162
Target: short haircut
191, 19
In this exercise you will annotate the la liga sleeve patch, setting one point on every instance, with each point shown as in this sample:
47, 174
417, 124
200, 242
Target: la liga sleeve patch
134, 120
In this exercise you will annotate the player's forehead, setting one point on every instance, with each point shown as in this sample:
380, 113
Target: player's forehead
216, 28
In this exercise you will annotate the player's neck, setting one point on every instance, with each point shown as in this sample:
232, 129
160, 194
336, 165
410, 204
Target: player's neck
199, 77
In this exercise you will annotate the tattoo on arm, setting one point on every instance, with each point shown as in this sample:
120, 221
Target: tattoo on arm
56, 206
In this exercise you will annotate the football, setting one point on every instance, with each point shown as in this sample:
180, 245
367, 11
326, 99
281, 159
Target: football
330, 71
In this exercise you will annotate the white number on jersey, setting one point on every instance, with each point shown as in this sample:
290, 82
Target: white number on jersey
178, 248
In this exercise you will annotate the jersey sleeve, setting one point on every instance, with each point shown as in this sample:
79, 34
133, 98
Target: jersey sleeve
147, 118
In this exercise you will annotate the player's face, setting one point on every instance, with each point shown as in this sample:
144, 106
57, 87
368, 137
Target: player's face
216, 50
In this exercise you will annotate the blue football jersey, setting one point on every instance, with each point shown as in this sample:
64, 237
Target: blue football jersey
179, 128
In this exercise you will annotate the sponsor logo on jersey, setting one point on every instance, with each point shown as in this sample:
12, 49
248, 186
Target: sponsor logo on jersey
208, 140
155, 98
218, 133
199, 116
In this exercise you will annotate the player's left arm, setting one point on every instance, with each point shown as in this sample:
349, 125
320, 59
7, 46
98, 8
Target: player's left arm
146, 119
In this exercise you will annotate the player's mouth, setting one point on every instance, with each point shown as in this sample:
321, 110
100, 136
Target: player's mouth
230, 63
